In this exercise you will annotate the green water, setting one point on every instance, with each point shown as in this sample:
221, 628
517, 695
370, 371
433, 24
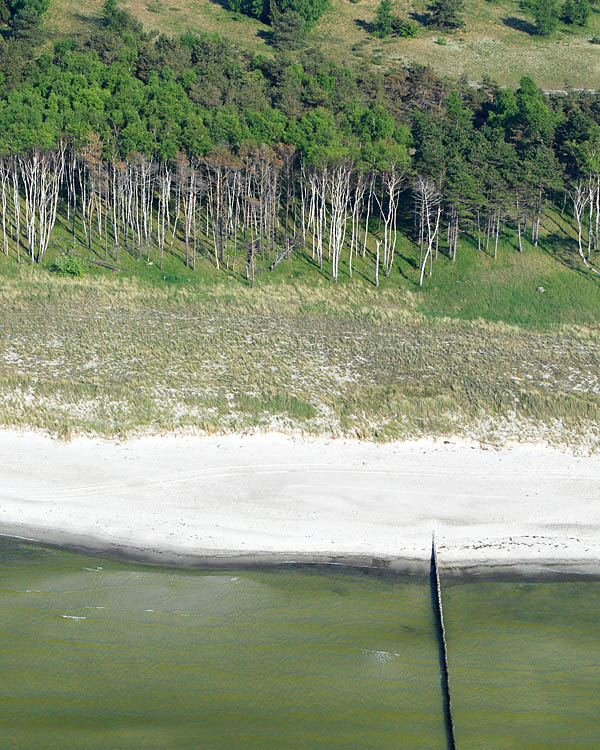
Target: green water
225, 660
524, 662
286, 659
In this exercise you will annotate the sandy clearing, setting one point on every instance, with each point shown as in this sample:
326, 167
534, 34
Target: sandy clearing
274, 498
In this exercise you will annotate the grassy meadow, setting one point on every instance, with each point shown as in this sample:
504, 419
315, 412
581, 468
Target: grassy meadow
497, 41
476, 352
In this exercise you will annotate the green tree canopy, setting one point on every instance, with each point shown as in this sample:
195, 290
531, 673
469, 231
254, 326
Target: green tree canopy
4, 11
576, 12
383, 19
289, 30
446, 14
545, 13
269, 11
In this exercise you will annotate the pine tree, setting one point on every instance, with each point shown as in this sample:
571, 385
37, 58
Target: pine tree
110, 14
383, 19
289, 30
4, 12
576, 12
545, 14
403, 27
446, 14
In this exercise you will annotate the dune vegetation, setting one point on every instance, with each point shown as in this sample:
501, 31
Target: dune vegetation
129, 353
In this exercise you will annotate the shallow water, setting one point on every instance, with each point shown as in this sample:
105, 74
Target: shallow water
177, 659
102, 654
525, 664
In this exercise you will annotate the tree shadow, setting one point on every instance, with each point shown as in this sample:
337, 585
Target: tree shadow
312, 263
265, 35
88, 20
224, 4
87, 25
412, 262
409, 262
365, 25
358, 271
520, 24
564, 250
365, 276
423, 18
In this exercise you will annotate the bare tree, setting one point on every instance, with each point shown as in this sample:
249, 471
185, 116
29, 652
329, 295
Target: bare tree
391, 183
41, 173
428, 200
583, 199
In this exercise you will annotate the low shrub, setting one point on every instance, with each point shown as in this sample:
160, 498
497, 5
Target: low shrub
403, 27
67, 265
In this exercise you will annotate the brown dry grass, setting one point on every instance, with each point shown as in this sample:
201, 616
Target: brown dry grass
492, 44
487, 46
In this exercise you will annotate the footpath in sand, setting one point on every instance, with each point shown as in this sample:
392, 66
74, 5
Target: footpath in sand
270, 498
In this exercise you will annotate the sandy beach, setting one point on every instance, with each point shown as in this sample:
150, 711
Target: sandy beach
236, 500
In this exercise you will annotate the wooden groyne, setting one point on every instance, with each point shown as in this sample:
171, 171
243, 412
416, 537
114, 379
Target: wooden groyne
438, 614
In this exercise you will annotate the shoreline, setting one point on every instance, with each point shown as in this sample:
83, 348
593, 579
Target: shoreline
466, 570
272, 500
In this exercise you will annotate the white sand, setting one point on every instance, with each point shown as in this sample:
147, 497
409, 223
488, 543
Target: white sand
269, 497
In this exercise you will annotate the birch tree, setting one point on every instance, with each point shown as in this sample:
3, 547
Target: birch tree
428, 201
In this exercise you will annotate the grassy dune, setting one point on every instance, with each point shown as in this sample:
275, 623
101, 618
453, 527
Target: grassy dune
128, 353
497, 40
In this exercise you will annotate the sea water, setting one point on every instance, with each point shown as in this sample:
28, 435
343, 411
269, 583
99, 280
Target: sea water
524, 663
96, 653
102, 654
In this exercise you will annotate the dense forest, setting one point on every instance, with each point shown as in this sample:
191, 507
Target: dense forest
144, 141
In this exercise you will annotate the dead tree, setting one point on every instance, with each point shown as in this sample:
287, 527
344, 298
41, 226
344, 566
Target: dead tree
582, 200
428, 201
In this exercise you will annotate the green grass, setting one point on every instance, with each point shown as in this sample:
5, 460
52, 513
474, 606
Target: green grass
497, 39
476, 286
